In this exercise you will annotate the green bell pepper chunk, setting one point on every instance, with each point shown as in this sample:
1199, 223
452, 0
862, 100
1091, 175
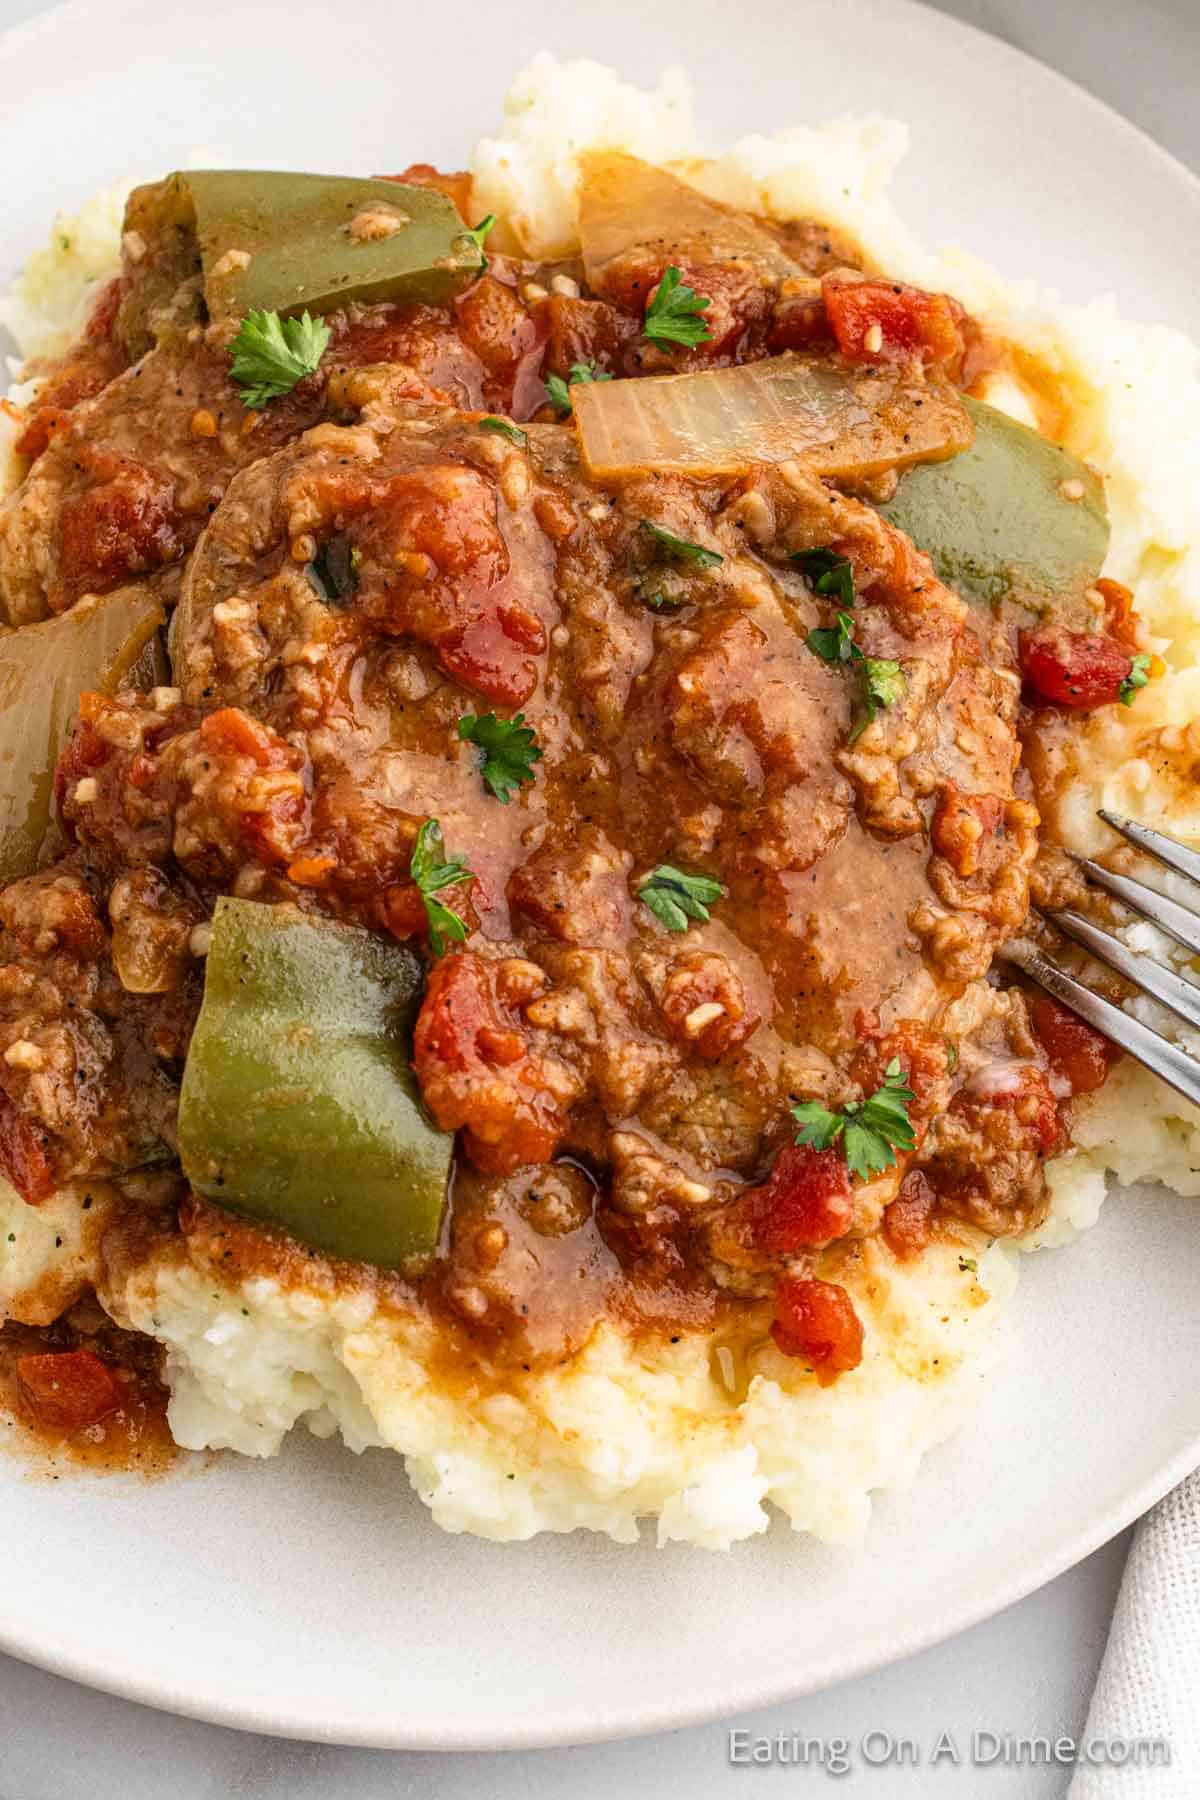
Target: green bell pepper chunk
299, 1107
285, 243
997, 522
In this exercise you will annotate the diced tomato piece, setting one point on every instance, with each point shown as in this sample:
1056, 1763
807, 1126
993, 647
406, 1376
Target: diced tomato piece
582, 331
906, 1219
44, 424
1073, 668
229, 731
961, 825
736, 318
125, 524
23, 1160
885, 321
804, 1202
268, 817
402, 909
488, 656
312, 870
924, 1058
738, 311
475, 1064
69, 1389
436, 568
508, 340
816, 1320
1120, 619
456, 184
1078, 1053
83, 751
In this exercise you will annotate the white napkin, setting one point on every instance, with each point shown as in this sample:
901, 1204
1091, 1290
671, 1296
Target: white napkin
1149, 1685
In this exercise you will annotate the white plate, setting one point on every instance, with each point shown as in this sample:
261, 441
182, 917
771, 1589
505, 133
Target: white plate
311, 1597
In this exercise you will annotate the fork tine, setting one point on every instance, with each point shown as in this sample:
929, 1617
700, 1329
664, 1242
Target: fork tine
1182, 997
1163, 849
1166, 1060
1177, 921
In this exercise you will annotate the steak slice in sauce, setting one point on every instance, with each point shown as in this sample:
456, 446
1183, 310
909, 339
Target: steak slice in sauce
317, 730
129, 476
361, 568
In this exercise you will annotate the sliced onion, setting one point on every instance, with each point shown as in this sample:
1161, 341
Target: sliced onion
847, 424
625, 204
43, 670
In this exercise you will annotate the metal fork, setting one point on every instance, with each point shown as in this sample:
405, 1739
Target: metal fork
1155, 1052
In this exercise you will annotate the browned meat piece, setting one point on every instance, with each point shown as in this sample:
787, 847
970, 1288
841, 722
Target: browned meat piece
127, 479
88, 1070
319, 728
575, 887
131, 481
987, 1153
704, 1001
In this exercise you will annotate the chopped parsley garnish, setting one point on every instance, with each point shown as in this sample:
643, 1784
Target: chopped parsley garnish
966, 1263
270, 355
333, 571
431, 872
680, 547
1137, 678
872, 1130
829, 573
881, 683
560, 390
506, 429
509, 748
951, 1057
559, 393
835, 645
672, 317
479, 234
674, 897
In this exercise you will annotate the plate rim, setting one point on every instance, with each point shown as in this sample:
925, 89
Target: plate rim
948, 1621
985, 1604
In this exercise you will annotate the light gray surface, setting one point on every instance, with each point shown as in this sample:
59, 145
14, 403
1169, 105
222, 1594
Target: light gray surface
1029, 1671
1140, 56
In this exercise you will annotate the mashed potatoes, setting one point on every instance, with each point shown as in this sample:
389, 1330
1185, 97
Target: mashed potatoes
702, 1435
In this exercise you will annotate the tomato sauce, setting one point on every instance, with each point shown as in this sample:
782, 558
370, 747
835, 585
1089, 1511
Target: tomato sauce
92, 1398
